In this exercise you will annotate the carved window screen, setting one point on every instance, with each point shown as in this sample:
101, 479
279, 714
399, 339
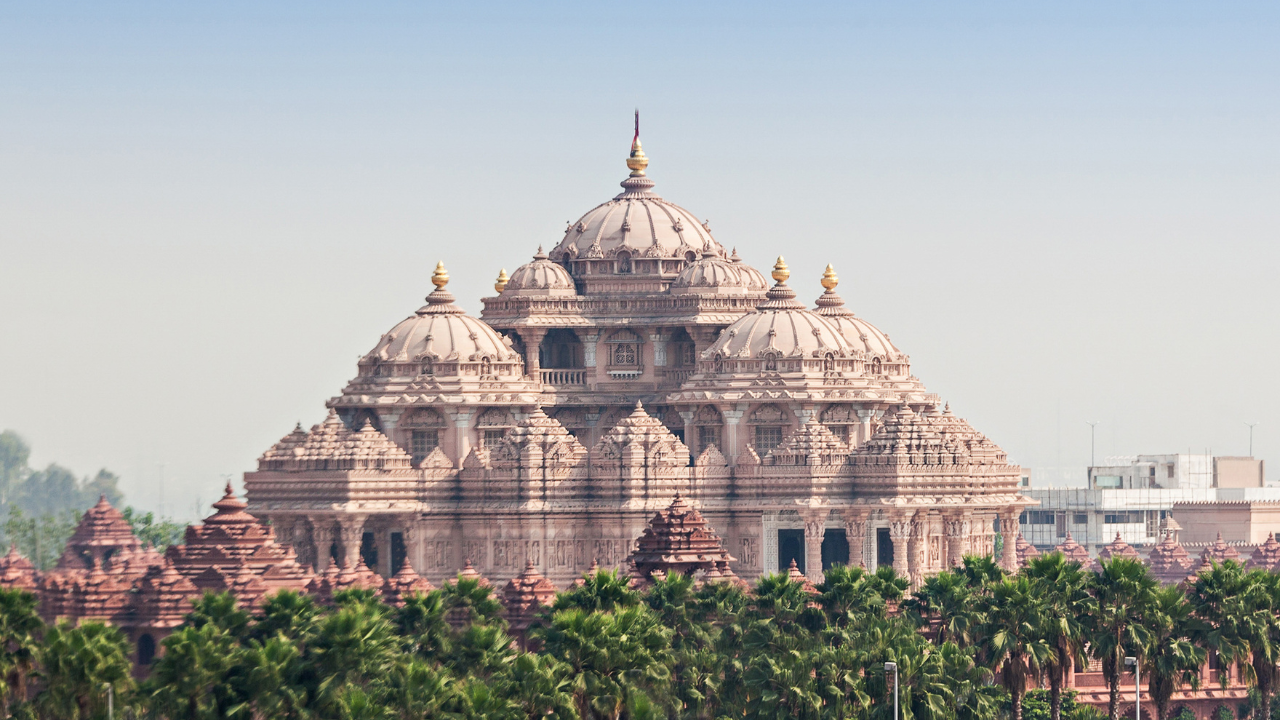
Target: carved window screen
768, 437
422, 442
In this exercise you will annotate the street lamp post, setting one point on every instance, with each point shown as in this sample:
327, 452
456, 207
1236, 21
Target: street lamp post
893, 667
1137, 686
1093, 455
111, 700
1251, 425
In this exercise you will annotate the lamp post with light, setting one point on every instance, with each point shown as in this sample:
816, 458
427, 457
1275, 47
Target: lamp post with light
1137, 686
893, 667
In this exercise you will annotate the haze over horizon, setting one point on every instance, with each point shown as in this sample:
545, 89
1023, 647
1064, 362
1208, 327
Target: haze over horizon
1062, 214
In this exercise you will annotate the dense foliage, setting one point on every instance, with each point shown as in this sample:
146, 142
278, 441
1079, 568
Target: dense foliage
967, 645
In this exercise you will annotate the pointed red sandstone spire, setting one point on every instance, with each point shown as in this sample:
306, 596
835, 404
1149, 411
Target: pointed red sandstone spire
404, 583
1267, 555
677, 540
524, 597
794, 574
1075, 552
1117, 548
1025, 551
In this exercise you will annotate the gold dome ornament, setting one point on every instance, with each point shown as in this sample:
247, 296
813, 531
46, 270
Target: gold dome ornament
440, 277
829, 279
780, 272
501, 283
637, 162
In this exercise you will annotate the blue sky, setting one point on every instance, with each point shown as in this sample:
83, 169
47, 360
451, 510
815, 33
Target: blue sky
1063, 212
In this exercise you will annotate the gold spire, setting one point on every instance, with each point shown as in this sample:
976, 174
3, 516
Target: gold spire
440, 277
829, 279
637, 161
780, 271
501, 284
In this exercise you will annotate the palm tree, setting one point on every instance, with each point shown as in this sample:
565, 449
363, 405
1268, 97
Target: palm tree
542, 687
849, 595
191, 680
424, 622
949, 600
981, 571
1064, 588
1012, 635
1240, 610
611, 654
353, 646
1123, 591
270, 681
286, 613
1173, 660
481, 651
78, 661
603, 590
20, 625
222, 610
471, 602
419, 690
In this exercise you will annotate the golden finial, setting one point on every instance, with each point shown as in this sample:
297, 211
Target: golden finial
440, 277
780, 271
829, 279
501, 284
637, 161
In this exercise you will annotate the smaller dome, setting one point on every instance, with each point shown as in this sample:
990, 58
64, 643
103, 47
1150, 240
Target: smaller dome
754, 277
540, 277
780, 327
713, 274
861, 334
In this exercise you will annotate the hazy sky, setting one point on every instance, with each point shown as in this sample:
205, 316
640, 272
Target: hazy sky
1063, 212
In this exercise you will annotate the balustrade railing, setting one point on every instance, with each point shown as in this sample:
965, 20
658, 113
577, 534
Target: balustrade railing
564, 377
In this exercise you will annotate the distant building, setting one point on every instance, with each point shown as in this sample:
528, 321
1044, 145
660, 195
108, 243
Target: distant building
1131, 499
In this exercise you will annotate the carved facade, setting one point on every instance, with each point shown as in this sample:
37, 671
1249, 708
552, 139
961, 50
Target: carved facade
635, 360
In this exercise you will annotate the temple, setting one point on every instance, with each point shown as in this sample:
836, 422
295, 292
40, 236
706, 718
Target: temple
637, 360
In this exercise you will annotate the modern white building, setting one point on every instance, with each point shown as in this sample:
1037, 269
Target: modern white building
1130, 498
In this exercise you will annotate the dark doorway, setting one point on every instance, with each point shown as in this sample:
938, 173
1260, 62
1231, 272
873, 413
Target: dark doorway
146, 649
398, 551
884, 548
835, 549
369, 550
561, 348
790, 547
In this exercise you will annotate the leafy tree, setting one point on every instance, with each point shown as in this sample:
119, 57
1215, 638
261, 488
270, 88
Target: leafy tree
41, 539
192, 679
353, 645
423, 622
416, 689
541, 687
288, 614
1064, 588
270, 681
159, 533
1239, 608
14, 454
1012, 637
77, 663
604, 590
221, 610
1124, 591
1172, 658
849, 593
20, 626
949, 600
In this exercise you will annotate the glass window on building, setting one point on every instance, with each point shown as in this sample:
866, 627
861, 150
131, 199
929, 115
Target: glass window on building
422, 442
708, 436
1080, 519
493, 436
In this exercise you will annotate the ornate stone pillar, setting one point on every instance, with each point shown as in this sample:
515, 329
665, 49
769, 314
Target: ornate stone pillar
382, 537
917, 547
351, 530
532, 338
690, 430
855, 532
412, 535
658, 340
900, 534
815, 528
957, 528
865, 433
462, 434
731, 420
1009, 539
323, 535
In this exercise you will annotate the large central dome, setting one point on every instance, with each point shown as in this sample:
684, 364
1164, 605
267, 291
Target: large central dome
637, 222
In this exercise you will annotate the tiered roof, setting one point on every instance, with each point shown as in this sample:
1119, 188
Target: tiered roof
1267, 555
810, 444
163, 597
1117, 548
1025, 550
359, 576
16, 571
1218, 552
537, 430
1075, 552
645, 434
232, 537
403, 584
468, 572
794, 575
102, 537
1169, 561
678, 540
524, 597
332, 446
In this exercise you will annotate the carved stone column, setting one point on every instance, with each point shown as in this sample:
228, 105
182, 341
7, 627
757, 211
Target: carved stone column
731, 447
815, 528
900, 534
957, 528
412, 535
351, 530
532, 338
855, 532
382, 537
691, 442
462, 434
1009, 539
323, 534
917, 547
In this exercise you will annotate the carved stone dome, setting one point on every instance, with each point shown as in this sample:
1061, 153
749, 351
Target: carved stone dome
862, 335
781, 329
540, 277
638, 223
439, 333
713, 274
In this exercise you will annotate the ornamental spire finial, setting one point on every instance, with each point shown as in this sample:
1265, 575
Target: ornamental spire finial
440, 277
780, 272
501, 283
637, 161
829, 279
